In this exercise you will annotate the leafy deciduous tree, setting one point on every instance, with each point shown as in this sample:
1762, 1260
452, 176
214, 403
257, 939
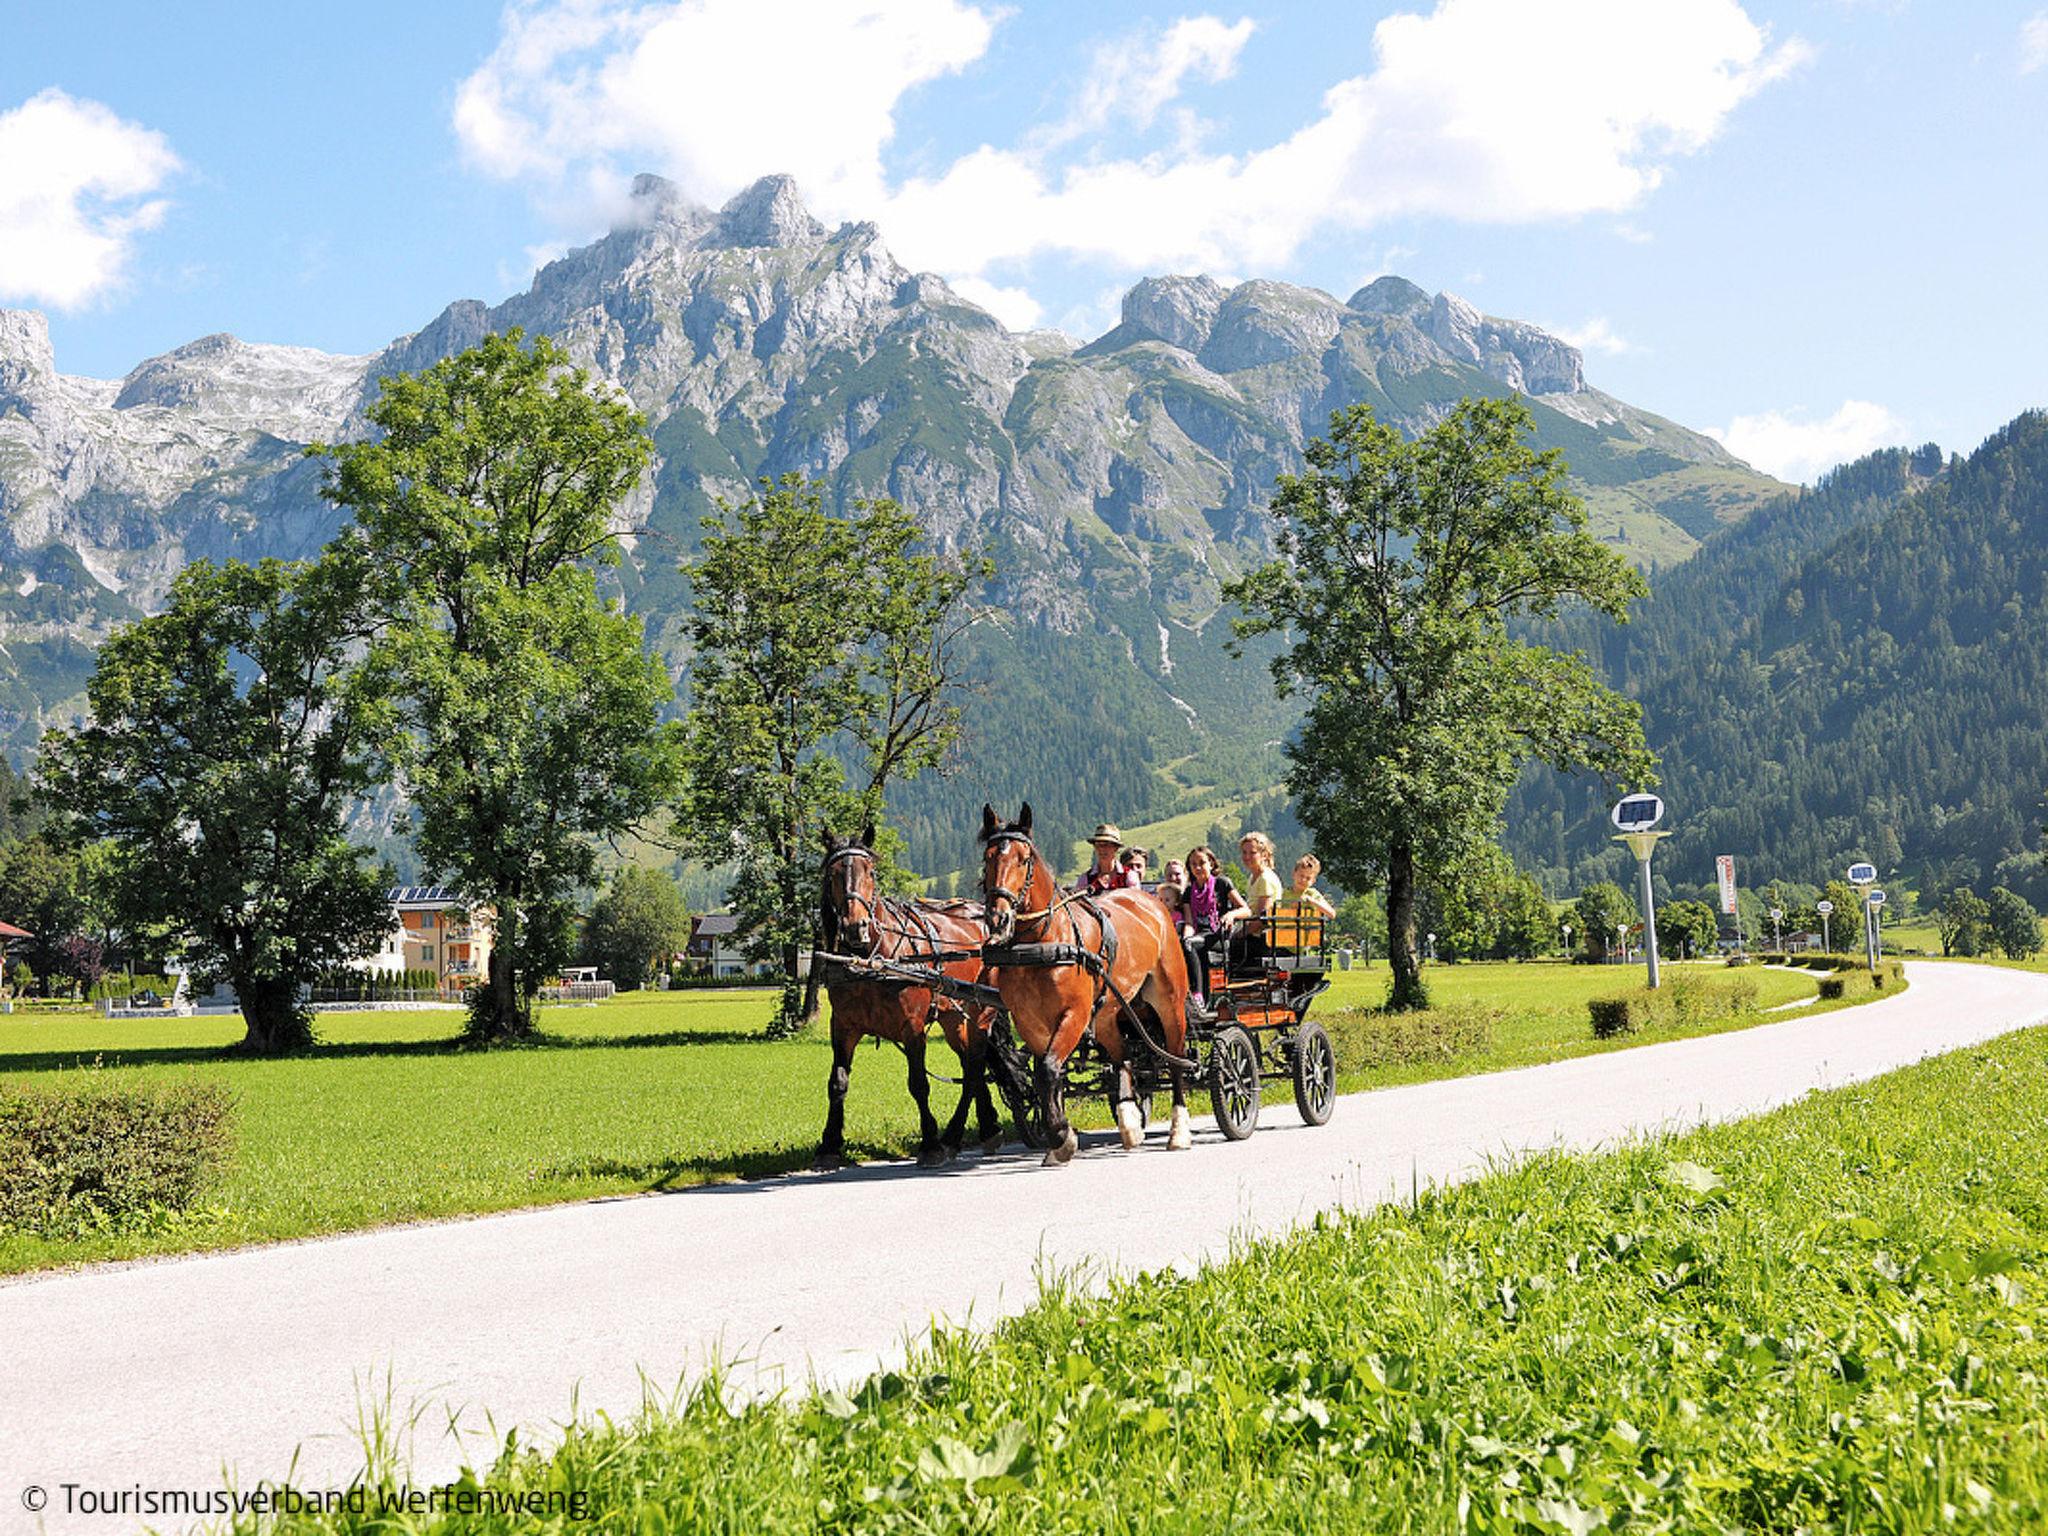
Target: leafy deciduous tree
639, 922
1400, 565
819, 641
1602, 914
225, 750
530, 708
1960, 920
2014, 924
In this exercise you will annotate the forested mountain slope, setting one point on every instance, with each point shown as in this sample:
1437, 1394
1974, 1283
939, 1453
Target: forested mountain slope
1883, 698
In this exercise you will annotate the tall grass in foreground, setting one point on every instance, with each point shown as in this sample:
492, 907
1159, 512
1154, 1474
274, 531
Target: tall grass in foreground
1830, 1318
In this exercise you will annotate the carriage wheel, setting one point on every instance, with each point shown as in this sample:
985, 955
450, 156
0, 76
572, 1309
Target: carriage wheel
1234, 1083
1315, 1074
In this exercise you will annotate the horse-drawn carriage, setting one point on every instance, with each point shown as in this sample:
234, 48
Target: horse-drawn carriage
1042, 993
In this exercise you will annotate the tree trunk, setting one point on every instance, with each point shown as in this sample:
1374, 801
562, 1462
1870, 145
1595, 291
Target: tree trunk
791, 1013
277, 1021
1402, 956
810, 1014
497, 1010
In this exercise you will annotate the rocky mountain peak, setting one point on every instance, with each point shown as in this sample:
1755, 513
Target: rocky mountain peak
1390, 295
25, 354
1521, 356
1177, 310
769, 213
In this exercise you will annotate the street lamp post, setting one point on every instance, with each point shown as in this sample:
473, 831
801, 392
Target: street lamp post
1824, 907
1778, 929
1634, 817
1863, 877
1567, 941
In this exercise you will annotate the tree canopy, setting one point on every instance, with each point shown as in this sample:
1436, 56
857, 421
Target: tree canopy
825, 669
1400, 565
226, 749
529, 705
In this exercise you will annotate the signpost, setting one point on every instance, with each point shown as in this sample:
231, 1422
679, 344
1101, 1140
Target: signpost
1778, 929
1634, 816
1824, 907
1863, 877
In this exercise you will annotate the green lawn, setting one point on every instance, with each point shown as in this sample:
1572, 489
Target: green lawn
1832, 1318
389, 1120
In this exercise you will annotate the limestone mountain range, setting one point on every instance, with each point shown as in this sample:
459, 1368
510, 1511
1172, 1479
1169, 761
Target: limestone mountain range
1117, 482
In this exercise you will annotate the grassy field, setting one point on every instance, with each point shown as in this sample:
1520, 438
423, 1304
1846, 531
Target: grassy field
390, 1120
1831, 1318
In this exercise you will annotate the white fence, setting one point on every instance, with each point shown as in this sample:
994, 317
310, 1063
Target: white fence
578, 992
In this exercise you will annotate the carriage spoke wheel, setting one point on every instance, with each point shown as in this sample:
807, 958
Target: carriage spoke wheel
1315, 1074
1234, 1083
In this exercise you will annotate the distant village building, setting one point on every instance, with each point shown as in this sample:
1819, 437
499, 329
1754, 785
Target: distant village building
434, 929
717, 944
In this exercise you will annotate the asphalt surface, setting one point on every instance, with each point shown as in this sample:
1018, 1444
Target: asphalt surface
255, 1365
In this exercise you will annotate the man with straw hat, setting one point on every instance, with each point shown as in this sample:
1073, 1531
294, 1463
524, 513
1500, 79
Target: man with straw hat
1106, 874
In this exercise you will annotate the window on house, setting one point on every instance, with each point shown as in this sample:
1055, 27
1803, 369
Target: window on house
426, 954
426, 920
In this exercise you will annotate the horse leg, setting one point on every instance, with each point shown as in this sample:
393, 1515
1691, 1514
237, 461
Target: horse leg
1130, 1127
971, 1084
988, 1119
930, 1152
832, 1149
1052, 1101
1165, 999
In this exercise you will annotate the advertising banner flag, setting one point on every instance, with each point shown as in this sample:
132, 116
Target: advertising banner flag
1724, 868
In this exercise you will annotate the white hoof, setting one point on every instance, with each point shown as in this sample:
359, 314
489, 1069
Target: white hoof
1061, 1154
1180, 1138
1129, 1126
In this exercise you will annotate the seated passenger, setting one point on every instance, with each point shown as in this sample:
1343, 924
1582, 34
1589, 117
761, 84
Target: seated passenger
1106, 874
1132, 863
1256, 849
1209, 908
1298, 916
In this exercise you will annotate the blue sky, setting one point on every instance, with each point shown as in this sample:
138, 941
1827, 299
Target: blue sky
1814, 227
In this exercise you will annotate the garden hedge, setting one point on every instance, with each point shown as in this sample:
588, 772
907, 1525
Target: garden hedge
90, 1156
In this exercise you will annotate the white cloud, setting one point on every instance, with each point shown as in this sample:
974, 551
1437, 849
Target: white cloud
1801, 450
1135, 77
1596, 335
75, 181
1497, 111
1449, 123
1013, 306
2034, 42
714, 93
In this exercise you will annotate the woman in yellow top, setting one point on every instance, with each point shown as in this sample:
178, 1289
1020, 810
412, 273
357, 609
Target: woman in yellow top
1298, 916
1262, 891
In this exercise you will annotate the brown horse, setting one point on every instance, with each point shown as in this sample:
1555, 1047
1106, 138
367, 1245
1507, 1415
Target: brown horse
857, 920
1136, 953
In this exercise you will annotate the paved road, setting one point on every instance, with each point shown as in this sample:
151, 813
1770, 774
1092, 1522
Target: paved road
174, 1373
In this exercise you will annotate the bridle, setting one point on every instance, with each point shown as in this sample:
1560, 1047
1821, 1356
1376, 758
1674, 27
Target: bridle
1015, 898
853, 898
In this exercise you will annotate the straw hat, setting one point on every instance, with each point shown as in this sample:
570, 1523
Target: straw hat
1107, 833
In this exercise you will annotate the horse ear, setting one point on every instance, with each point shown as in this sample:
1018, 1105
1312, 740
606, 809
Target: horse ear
988, 821
867, 835
1024, 819
831, 843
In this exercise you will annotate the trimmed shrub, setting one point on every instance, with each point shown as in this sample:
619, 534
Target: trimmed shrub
1833, 988
1619, 1015
94, 1156
1736, 960
1684, 1001
1364, 1038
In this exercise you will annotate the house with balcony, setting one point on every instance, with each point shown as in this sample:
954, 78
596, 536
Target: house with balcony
434, 929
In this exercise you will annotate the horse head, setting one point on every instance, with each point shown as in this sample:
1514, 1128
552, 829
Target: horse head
852, 895
1012, 878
